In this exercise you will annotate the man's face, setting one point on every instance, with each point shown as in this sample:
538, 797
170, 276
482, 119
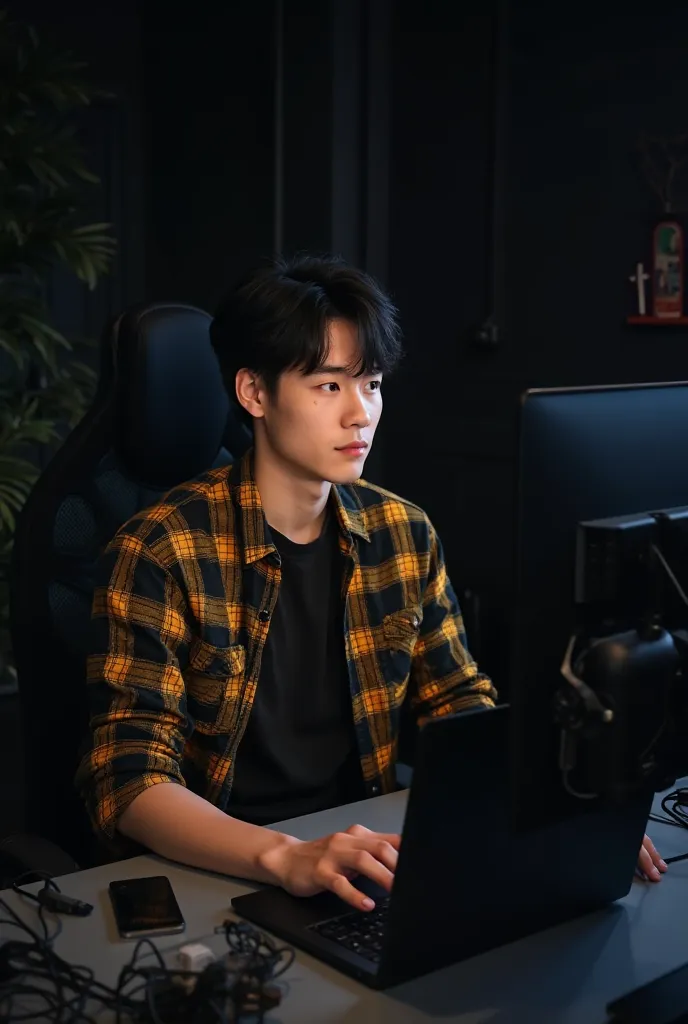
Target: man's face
322, 425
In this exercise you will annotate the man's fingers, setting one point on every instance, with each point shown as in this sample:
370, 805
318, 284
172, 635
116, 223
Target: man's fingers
384, 852
377, 845
389, 837
654, 854
646, 865
359, 851
360, 832
347, 861
372, 868
343, 888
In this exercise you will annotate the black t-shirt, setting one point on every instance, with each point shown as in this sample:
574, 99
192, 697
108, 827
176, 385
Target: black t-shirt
299, 753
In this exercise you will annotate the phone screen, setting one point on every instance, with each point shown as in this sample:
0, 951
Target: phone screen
145, 906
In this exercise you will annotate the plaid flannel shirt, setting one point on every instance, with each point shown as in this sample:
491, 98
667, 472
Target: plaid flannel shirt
181, 617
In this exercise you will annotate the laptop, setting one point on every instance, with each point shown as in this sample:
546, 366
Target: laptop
466, 879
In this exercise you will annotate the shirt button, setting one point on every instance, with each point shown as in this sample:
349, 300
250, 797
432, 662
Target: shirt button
375, 790
415, 622
264, 614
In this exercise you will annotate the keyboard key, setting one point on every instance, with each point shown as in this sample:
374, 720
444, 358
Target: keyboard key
362, 933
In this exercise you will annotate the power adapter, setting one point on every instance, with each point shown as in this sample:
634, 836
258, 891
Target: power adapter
60, 903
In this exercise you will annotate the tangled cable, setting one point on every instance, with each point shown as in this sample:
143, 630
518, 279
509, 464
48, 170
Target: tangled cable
36, 984
675, 807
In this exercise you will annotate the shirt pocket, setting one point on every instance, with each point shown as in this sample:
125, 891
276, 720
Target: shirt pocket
214, 683
400, 632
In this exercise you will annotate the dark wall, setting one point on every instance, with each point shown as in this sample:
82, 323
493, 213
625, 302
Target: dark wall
579, 210
257, 137
208, 96
108, 37
559, 102
442, 429
478, 158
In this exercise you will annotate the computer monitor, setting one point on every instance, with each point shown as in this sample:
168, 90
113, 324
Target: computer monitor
585, 454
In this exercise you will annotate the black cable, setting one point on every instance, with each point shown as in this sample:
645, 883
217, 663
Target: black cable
242, 938
51, 896
48, 880
238, 986
32, 968
675, 807
674, 815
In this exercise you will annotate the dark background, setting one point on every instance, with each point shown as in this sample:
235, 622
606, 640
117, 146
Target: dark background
479, 159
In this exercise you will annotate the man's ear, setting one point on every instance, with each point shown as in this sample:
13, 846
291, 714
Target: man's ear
250, 392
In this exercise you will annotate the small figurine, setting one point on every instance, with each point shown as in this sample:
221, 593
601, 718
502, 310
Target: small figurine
667, 270
639, 279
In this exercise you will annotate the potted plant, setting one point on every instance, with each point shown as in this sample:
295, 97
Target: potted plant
45, 386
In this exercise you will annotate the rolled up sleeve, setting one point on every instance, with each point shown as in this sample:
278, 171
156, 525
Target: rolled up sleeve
136, 695
444, 677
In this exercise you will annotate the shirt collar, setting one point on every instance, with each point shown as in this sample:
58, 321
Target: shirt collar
349, 512
257, 542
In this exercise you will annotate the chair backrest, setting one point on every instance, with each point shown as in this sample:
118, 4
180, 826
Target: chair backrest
160, 417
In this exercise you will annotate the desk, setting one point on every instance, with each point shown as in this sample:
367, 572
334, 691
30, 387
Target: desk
566, 975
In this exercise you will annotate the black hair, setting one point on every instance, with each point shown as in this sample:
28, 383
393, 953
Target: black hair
275, 319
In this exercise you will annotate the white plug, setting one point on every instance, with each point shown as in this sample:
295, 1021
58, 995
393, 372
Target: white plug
195, 957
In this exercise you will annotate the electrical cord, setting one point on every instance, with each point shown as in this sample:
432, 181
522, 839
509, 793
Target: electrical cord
37, 984
51, 896
678, 798
240, 985
675, 807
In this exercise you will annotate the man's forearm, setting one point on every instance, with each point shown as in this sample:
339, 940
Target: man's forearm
176, 823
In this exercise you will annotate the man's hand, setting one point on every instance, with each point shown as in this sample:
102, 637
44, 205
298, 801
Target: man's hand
306, 868
650, 864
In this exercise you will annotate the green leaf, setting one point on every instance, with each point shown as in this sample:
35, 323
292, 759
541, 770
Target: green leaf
8, 344
14, 496
17, 470
6, 516
48, 331
45, 354
90, 229
44, 178
86, 175
84, 370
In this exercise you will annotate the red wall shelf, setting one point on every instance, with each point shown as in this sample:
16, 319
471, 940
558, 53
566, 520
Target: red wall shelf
657, 321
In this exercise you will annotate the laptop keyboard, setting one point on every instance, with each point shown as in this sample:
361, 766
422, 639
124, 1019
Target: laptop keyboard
360, 931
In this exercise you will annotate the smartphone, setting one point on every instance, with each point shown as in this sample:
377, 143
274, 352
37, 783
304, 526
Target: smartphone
145, 906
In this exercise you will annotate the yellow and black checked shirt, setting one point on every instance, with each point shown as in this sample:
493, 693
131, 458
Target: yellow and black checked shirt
183, 612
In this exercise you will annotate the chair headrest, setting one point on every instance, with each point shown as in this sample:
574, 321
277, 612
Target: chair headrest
170, 404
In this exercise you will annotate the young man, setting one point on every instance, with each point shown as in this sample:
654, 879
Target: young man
257, 633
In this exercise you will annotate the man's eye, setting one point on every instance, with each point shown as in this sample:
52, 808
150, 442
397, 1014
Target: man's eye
331, 386
374, 385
